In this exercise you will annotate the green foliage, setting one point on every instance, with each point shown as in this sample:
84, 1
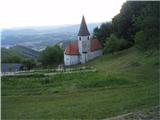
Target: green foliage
28, 63
139, 19
148, 24
123, 24
113, 44
52, 55
140, 40
8, 56
17, 54
109, 81
104, 31
24, 51
134, 17
78, 80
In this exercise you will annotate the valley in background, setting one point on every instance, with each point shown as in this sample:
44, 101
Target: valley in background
38, 38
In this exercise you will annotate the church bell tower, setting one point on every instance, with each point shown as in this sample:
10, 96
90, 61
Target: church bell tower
84, 41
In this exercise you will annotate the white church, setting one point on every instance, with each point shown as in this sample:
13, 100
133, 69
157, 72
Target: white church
83, 49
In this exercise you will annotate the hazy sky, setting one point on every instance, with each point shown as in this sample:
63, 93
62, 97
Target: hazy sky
18, 13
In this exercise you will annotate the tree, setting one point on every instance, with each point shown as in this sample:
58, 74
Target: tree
136, 24
140, 39
123, 23
52, 55
148, 24
28, 64
113, 44
104, 31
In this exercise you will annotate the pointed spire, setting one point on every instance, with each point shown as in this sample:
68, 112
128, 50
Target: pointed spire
83, 31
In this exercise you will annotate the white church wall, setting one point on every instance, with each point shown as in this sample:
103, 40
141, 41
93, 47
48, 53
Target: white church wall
84, 57
84, 43
71, 59
95, 54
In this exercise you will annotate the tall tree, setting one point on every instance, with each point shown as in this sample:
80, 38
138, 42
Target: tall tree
148, 24
123, 23
103, 31
136, 20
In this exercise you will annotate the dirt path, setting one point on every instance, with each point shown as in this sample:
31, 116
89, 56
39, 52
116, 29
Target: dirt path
153, 114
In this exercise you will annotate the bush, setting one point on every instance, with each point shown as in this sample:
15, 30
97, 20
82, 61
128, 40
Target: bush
113, 44
28, 64
52, 55
140, 40
145, 42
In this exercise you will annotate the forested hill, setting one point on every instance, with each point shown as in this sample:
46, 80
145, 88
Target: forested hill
17, 54
25, 51
8, 56
137, 25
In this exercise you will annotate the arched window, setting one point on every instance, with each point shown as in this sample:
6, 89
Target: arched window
88, 37
79, 38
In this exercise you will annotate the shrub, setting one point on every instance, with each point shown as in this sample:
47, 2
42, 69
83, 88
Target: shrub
28, 64
52, 55
113, 44
140, 40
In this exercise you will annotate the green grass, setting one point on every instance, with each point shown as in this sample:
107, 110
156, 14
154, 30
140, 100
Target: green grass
124, 82
38, 84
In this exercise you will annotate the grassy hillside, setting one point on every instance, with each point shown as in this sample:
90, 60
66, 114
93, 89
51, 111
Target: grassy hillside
124, 82
25, 51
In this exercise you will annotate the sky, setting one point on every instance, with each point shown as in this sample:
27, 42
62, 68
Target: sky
21, 13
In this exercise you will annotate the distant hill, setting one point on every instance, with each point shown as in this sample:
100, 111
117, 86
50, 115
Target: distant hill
17, 53
9, 56
21, 50
73, 28
38, 38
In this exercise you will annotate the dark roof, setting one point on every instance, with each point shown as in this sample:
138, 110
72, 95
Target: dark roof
72, 48
83, 31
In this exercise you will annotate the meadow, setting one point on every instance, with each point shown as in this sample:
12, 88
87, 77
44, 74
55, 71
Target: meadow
127, 81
